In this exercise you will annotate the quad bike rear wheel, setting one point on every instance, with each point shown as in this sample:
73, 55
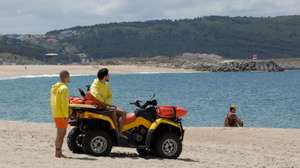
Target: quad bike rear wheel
75, 140
97, 143
168, 146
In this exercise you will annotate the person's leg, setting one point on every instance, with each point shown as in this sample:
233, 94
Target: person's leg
116, 115
121, 119
115, 119
61, 132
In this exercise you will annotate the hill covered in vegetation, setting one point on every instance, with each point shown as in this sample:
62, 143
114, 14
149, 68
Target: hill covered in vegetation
231, 37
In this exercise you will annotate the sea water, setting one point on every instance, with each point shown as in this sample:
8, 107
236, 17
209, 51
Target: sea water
263, 99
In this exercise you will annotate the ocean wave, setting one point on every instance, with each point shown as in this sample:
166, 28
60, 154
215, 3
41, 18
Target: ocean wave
36, 76
150, 72
56, 75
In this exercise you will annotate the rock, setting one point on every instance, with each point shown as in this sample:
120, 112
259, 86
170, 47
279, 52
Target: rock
199, 62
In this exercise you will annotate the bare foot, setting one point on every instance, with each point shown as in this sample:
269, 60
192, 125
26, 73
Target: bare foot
63, 156
58, 154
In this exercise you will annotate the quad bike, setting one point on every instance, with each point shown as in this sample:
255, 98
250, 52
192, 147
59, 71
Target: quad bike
151, 129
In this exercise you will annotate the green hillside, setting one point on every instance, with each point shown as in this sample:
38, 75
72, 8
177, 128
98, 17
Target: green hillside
231, 37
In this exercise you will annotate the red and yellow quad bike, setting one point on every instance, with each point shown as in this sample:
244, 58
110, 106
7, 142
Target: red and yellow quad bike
151, 129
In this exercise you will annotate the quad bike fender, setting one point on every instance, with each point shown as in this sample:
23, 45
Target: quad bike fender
159, 122
138, 122
89, 115
163, 121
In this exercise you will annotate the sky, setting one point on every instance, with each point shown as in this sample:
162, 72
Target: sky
40, 16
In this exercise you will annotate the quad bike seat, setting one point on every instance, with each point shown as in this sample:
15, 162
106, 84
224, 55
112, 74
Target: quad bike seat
130, 117
81, 108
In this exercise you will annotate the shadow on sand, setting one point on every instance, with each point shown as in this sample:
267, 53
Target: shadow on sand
81, 158
116, 155
136, 156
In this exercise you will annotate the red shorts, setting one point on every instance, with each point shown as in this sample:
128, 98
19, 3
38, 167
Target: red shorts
61, 122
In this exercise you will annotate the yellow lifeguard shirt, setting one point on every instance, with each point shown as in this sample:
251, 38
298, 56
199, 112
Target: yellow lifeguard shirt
101, 91
60, 100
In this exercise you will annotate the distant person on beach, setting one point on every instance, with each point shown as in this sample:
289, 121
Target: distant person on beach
231, 119
60, 110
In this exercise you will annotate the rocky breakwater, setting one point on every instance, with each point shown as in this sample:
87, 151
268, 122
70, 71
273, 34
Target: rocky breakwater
199, 62
215, 63
247, 65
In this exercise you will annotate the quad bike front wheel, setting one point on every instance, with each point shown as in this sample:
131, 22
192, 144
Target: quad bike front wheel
168, 146
97, 143
75, 140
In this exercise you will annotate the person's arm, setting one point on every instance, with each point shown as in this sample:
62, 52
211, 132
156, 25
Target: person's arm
105, 101
95, 92
226, 124
238, 120
109, 98
64, 96
102, 103
97, 98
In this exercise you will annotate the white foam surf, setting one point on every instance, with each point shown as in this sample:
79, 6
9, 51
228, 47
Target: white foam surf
56, 75
36, 76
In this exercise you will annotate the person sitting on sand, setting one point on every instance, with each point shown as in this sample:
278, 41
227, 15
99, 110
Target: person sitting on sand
232, 120
101, 93
60, 110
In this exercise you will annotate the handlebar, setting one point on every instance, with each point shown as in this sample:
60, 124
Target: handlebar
137, 103
151, 101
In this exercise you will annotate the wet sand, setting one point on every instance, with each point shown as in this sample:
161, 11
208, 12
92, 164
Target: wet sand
25, 70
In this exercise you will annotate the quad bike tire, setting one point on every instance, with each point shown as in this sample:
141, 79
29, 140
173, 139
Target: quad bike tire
168, 146
73, 141
97, 143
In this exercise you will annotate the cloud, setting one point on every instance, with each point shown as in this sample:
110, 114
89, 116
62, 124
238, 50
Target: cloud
39, 16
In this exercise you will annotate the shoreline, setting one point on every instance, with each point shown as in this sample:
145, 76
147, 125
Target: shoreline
29, 145
9, 71
188, 127
32, 71
76, 75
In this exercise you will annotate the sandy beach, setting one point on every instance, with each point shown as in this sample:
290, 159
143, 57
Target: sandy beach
24, 70
30, 145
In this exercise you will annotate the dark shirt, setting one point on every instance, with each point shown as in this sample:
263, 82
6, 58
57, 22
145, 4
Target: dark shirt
232, 120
